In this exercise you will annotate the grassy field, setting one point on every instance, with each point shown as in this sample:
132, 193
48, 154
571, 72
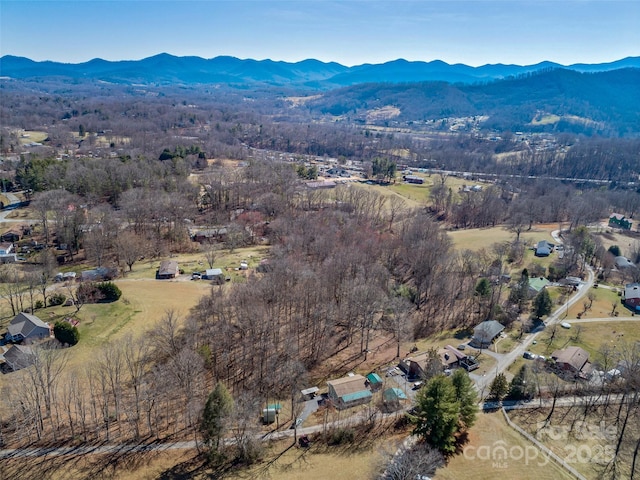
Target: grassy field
33, 136
591, 336
491, 430
476, 239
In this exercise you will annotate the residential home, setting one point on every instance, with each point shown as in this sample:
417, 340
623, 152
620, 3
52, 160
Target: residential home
623, 262
536, 284
215, 274
573, 360
543, 248
485, 333
209, 235
413, 179
617, 220
168, 269
632, 296
28, 328
349, 391
11, 236
450, 357
416, 365
18, 357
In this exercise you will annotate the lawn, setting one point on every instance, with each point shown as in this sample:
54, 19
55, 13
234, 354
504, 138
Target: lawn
478, 238
602, 306
486, 438
590, 336
33, 136
196, 262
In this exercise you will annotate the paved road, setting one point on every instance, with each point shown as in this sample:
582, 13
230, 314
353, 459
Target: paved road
13, 201
504, 361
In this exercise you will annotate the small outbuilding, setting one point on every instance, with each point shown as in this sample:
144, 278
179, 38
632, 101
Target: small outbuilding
375, 382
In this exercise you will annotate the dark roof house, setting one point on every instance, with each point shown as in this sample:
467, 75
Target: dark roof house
485, 333
617, 220
543, 248
574, 360
27, 327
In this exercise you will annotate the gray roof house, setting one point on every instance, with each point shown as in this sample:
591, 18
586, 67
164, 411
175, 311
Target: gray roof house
27, 327
18, 356
485, 332
543, 248
623, 262
168, 269
215, 274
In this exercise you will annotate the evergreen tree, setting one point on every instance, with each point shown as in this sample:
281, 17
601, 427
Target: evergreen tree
66, 333
542, 304
499, 387
522, 386
437, 414
466, 396
216, 412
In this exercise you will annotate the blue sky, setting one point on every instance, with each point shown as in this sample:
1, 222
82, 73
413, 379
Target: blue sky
350, 32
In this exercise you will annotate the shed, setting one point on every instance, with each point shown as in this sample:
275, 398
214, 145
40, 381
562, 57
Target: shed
393, 395
309, 393
375, 382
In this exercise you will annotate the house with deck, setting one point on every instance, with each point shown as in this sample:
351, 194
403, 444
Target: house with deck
27, 328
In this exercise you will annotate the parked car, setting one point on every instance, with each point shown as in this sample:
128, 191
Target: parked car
196, 276
462, 346
417, 385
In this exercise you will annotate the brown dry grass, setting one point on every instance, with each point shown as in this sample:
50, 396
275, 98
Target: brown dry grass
488, 430
587, 445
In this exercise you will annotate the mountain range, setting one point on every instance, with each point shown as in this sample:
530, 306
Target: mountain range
168, 69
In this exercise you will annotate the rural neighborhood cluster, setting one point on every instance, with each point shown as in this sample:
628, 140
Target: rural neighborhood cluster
251, 281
